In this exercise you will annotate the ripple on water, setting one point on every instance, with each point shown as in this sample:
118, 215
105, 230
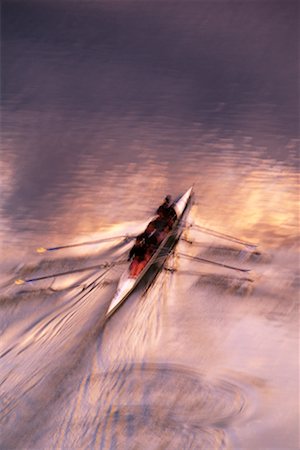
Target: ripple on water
165, 406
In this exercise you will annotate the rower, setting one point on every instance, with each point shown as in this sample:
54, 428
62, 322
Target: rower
148, 239
162, 210
145, 242
150, 235
144, 247
140, 255
139, 249
166, 211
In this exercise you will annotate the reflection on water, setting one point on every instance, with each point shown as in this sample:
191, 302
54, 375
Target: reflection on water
106, 108
187, 413
241, 190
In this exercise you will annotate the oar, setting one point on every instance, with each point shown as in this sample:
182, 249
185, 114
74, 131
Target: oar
224, 236
208, 261
201, 244
99, 241
194, 273
60, 274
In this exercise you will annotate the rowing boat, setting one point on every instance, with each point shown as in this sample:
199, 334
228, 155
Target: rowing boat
127, 283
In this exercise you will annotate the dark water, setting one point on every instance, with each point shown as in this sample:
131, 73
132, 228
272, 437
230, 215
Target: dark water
106, 107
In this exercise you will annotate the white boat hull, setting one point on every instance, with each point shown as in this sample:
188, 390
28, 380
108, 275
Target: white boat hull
127, 284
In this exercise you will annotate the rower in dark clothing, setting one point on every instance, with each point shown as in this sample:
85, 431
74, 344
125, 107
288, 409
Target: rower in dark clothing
150, 236
162, 210
166, 211
138, 250
145, 243
144, 247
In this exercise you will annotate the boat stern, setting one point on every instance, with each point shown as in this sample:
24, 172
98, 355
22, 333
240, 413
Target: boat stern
124, 288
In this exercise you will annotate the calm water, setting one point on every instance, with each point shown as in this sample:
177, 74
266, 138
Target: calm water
107, 107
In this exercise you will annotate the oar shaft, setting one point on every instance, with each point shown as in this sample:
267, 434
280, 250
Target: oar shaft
224, 236
208, 261
79, 244
60, 274
69, 272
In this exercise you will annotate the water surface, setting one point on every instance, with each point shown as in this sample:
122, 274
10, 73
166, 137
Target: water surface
106, 108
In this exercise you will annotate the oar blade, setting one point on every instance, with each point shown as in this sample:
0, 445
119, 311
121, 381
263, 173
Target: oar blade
41, 250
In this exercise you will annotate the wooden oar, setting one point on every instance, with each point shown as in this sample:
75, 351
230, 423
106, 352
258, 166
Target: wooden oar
79, 244
60, 274
208, 261
223, 236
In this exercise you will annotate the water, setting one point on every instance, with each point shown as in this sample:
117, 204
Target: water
107, 107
